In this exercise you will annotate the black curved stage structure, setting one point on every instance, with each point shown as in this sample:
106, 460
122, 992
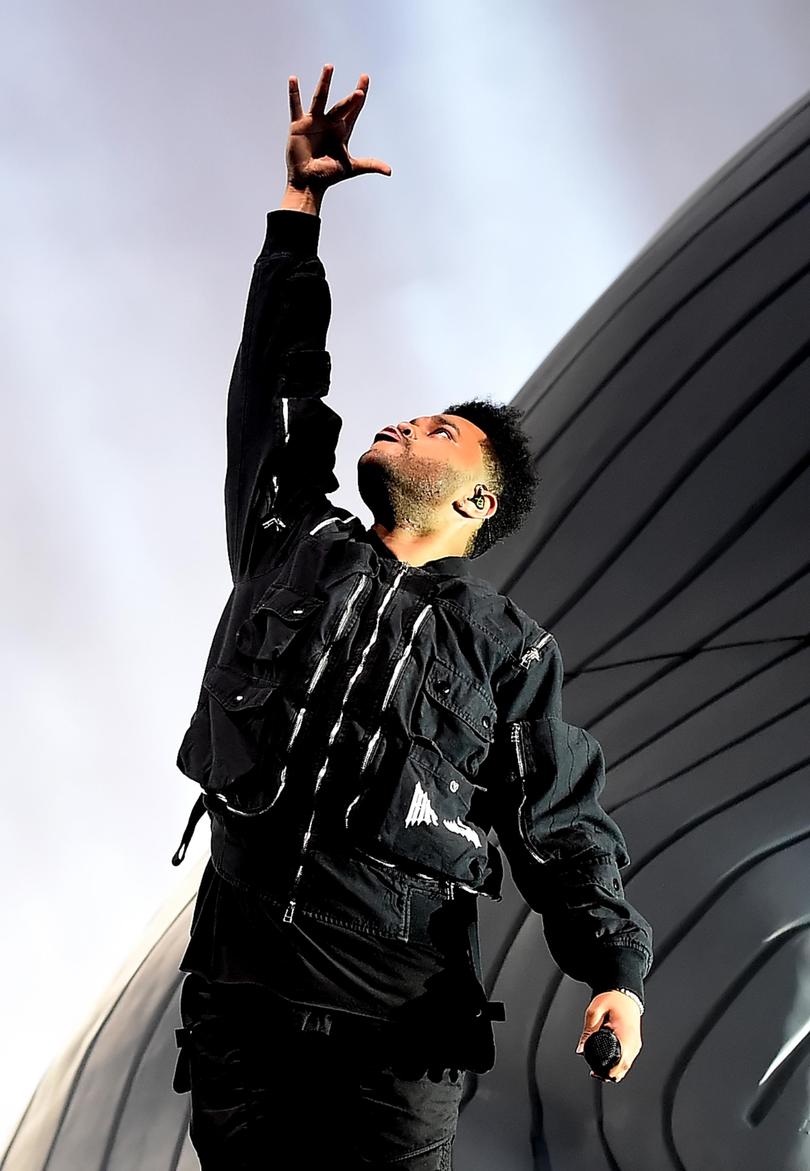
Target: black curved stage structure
669, 553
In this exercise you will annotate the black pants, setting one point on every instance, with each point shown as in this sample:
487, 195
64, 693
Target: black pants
267, 1093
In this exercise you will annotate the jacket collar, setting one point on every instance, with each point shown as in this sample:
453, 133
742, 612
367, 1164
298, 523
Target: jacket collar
453, 566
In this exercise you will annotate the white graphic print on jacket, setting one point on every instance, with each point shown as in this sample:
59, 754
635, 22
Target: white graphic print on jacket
466, 831
421, 812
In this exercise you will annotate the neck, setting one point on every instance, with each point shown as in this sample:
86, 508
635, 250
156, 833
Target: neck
414, 549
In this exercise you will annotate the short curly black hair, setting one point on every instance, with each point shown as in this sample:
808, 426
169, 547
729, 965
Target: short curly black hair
510, 469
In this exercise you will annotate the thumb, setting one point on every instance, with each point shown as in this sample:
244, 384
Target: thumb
370, 166
593, 1019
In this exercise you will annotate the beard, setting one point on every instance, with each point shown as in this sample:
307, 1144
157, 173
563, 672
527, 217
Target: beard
407, 491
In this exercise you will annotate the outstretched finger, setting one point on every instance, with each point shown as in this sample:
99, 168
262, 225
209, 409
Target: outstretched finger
296, 111
347, 106
351, 117
321, 91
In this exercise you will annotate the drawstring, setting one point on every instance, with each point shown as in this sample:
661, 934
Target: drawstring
188, 832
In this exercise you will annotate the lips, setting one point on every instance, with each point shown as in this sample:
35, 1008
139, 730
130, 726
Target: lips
389, 433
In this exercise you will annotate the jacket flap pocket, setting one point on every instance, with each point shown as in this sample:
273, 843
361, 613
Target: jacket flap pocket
418, 812
236, 690
275, 621
305, 373
290, 605
464, 697
594, 869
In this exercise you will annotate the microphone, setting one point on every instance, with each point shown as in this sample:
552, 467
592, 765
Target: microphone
602, 1050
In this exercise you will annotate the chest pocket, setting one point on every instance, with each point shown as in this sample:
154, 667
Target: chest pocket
457, 714
225, 738
239, 708
271, 628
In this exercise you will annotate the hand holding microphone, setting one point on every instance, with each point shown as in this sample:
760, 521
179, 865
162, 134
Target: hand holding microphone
611, 1037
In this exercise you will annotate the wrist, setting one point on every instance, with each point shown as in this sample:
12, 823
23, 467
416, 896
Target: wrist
634, 997
301, 199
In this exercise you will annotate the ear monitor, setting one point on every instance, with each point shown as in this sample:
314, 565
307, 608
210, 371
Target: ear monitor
477, 497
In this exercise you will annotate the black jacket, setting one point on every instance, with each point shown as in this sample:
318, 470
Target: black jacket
363, 724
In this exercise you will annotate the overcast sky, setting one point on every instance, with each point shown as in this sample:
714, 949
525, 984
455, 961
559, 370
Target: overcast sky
535, 148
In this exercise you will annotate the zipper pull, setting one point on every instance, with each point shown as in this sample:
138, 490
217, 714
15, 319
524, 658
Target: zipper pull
516, 736
273, 522
532, 655
288, 914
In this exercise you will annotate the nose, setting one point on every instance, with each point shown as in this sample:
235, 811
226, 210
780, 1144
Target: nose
405, 429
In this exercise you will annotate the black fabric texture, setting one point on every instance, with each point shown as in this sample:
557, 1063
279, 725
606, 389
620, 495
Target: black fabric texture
373, 739
324, 1095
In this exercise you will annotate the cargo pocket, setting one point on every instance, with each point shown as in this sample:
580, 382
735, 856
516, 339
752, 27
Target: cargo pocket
225, 738
194, 754
363, 894
457, 714
589, 876
273, 625
417, 812
241, 714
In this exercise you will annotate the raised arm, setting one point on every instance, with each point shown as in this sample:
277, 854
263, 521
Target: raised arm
281, 436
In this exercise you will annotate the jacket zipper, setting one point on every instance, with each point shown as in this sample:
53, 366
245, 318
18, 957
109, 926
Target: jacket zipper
273, 520
516, 736
448, 885
290, 909
319, 670
398, 669
299, 719
372, 744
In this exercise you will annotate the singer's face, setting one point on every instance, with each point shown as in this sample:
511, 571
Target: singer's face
449, 440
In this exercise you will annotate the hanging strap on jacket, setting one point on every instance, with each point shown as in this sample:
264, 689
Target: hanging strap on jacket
492, 1010
197, 811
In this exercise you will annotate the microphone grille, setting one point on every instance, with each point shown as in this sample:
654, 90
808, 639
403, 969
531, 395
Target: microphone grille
602, 1049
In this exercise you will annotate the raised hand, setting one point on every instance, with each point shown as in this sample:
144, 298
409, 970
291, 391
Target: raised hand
317, 147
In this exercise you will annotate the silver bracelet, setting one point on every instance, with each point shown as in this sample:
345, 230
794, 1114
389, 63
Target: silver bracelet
633, 996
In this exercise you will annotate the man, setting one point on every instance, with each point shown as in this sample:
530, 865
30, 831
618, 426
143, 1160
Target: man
370, 711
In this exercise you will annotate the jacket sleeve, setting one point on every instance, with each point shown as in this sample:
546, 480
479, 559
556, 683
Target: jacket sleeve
563, 849
281, 436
